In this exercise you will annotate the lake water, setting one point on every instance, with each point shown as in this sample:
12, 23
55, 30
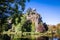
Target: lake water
7, 37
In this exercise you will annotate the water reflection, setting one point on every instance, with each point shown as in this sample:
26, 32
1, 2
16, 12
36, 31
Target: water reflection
42, 38
59, 39
6, 37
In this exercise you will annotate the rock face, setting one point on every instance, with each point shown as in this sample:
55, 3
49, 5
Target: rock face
40, 28
36, 19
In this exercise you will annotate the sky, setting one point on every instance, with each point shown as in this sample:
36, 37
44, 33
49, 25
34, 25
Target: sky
48, 9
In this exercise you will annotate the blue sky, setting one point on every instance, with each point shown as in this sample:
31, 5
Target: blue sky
48, 9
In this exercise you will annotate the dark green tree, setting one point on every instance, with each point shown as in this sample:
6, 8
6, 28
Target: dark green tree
27, 26
10, 9
45, 26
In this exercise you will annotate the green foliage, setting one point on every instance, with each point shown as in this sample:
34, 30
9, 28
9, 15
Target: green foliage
27, 26
58, 31
10, 9
19, 25
58, 28
33, 27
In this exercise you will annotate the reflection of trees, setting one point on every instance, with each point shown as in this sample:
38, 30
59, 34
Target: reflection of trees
42, 38
25, 39
5, 37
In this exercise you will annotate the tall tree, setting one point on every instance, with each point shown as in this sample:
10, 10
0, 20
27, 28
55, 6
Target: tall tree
10, 9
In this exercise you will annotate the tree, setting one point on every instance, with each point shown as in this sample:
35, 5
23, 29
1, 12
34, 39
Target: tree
29, 10
10, 9
45, 26
27, 26
18, 26
58, 28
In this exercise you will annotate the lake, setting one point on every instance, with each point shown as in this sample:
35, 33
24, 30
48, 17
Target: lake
30, 37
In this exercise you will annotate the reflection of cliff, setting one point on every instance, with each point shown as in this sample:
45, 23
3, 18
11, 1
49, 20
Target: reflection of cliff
42, 38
